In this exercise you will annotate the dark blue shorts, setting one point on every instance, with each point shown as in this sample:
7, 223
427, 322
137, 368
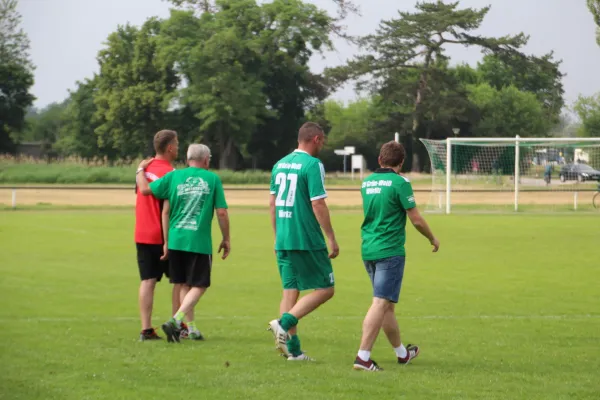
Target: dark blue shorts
386, 277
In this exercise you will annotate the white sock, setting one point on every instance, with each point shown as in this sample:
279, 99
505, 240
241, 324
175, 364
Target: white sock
401, 351
364, 355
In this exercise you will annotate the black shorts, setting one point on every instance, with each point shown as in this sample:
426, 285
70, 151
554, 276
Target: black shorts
192, 269
149, 262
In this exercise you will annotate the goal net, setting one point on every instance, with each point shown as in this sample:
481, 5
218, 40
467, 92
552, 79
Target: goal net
513, 174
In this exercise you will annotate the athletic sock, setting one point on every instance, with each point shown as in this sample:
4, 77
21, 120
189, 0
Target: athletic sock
293, 346
288, 321
178, 317
364, 355
401, 351
192, 326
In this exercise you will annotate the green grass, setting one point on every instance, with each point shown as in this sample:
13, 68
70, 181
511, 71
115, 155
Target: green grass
508, 309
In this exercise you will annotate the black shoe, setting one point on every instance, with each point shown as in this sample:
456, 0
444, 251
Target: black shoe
172, 331
149, 334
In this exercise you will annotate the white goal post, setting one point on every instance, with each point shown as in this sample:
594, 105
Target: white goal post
503, 167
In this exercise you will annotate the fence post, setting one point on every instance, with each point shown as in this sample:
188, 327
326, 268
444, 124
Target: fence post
14, 198
575, 201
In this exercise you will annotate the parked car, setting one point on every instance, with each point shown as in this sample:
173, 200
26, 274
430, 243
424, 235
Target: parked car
580, 172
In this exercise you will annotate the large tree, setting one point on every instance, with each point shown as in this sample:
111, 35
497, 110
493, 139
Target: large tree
417, 41
507, 112
133, 89
16, 75
247, 75
538, 75
77, 134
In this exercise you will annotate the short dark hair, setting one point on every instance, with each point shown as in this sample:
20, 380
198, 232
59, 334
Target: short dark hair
391, 154
162, 139
308, 131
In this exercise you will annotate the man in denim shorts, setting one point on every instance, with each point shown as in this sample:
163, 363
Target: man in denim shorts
387, 200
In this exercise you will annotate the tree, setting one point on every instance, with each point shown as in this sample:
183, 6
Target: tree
594, 6
247, 72
77, 133
507, 112
588, 110
16, 75
538, 75
133, 90
45, 124
416, 41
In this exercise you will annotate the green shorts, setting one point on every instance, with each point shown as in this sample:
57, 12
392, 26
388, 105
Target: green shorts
304, 270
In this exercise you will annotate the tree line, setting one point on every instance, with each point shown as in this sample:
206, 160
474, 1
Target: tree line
235, 74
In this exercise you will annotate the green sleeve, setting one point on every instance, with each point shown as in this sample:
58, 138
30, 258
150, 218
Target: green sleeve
160, 187
220, 201
406, 196
273, 189
316, 181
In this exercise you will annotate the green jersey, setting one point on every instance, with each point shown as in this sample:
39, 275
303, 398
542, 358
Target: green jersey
296, 181
386, 197
193, 195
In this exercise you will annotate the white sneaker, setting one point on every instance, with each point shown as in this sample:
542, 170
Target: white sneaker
301, 357
281, 337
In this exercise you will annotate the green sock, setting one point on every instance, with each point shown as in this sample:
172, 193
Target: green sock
288, 321
192, 326
179, 316
293, 346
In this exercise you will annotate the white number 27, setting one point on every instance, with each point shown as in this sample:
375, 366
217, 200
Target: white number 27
281, 180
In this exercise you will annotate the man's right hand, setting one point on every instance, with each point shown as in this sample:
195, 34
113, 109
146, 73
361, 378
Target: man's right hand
226, 247
144, 164
436, 245
334, 249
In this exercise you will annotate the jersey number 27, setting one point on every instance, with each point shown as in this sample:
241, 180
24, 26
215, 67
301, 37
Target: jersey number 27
281, 179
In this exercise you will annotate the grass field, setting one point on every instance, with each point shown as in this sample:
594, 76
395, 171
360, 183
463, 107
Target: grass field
508, 309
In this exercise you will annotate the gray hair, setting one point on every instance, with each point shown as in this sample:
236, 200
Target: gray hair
198, 152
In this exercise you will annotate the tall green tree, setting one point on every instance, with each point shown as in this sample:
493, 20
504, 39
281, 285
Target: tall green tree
247, 74
417, 41
133, 90
588, 110
77, 134
507, 112
16, 75
538, 75
594, 6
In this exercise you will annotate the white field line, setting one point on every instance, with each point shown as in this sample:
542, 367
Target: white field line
341, 317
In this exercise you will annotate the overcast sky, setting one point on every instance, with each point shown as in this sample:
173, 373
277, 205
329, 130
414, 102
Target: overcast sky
67, 34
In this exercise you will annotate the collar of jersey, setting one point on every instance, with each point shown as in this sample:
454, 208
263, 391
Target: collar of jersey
384, 171
300, 151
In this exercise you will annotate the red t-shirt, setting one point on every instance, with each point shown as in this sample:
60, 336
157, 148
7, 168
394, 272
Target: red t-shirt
148, 225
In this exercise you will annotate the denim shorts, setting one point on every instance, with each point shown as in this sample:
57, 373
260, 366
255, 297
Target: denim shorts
386, 277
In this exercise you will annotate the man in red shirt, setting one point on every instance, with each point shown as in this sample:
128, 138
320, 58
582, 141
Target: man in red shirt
151, 220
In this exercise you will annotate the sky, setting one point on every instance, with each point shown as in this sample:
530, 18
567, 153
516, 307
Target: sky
66, 36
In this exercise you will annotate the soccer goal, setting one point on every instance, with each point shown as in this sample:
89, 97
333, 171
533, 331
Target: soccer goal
513, 174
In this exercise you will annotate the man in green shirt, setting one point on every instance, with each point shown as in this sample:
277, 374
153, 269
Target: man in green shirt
298, 212
387, 200
193, 195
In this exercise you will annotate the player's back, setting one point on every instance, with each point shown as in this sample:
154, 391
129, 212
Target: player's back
148, 226
296, 181
386, 197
